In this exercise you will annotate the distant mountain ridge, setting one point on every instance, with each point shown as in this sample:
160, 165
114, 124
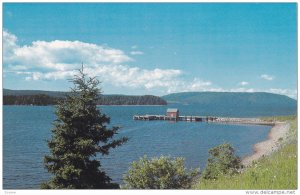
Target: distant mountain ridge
238, 101
221, 101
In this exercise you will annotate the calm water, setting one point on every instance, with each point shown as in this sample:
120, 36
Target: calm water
26, 129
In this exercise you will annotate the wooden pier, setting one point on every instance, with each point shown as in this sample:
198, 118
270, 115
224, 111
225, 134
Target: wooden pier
170, 118
173, 115
210, 119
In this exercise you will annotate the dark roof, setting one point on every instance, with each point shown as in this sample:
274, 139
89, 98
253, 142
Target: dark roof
172, 110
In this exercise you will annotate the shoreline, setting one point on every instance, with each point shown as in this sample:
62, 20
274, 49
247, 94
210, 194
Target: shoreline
268, 146
133, 105
97, 105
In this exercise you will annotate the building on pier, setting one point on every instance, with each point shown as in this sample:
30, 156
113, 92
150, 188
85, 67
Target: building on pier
173, 113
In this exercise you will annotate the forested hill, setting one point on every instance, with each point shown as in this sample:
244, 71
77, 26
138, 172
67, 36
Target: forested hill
57, 94
236, 101
131, 100
33, 97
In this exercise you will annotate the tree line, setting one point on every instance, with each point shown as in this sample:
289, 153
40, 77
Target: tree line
130, 100
38, 100
44, 100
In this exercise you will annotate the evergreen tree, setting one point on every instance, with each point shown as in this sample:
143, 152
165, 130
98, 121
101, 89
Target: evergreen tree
80, 133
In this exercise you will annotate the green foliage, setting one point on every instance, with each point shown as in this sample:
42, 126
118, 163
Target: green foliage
277, 171
44, 100
79, 134
57, 94
38, 100
159, 173
280, 118
293, 132
292, 121
131, 100
222, 161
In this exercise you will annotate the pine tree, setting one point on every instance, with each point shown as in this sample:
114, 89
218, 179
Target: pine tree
80, 133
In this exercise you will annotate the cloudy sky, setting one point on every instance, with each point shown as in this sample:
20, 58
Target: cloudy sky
152, 48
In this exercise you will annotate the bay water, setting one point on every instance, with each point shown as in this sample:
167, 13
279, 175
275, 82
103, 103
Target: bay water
26, 129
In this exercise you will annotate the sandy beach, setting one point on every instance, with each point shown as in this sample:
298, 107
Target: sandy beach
279, 130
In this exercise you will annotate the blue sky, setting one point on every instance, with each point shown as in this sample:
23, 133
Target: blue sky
152, 48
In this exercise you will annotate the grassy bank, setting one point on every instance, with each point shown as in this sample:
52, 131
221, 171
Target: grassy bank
277, 171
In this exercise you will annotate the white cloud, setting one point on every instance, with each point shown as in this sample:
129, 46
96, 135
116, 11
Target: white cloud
9, 45
58, 55
188, 85
136, 53
198, 85
243, 83
58, 59
242, 89
267, 77
135, 77
48, 76
288, 92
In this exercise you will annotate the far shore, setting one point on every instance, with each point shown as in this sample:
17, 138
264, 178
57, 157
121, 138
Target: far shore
97, 105
265, 148
261, 149
245, 121
132, 105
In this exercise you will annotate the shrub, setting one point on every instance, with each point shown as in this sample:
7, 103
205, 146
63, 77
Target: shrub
222, 161
159, 173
